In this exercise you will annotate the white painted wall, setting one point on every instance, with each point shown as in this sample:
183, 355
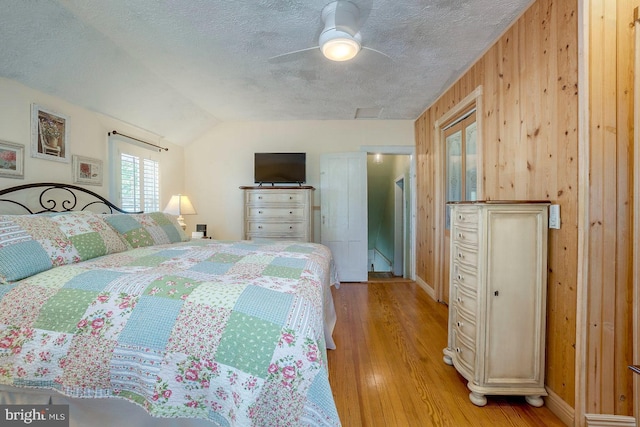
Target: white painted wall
221, 161
210, 170
87, 133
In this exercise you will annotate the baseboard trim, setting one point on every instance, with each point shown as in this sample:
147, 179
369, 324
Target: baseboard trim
428, 289
604, 420
560, 408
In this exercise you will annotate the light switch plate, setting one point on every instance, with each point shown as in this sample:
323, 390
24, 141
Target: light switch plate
554, 216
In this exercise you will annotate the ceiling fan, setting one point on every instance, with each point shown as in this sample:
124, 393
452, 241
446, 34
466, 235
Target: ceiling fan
340, 39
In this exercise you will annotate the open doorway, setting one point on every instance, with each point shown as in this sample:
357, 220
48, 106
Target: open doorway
389, 215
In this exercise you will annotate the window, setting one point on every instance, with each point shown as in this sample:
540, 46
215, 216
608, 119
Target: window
461, 162
136, 177
139, 184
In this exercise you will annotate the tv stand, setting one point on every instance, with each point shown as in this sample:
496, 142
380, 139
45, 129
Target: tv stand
273, 184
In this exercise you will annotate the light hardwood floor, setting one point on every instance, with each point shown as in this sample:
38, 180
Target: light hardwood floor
388, 370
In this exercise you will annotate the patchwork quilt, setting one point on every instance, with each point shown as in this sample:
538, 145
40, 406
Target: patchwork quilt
231, 332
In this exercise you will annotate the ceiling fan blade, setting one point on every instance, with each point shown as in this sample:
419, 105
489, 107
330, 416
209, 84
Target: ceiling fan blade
289, 56
376, 51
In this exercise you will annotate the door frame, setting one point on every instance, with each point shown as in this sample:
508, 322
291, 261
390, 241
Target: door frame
475, 97
399, 227
409, 150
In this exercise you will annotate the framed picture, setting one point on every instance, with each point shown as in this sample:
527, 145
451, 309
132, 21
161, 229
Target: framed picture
87, 170
49, 135
11, 160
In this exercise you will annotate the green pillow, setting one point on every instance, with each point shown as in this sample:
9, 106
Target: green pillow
147, 229
30, 244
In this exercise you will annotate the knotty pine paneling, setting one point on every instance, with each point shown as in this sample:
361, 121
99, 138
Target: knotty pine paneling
529, 142
609, 282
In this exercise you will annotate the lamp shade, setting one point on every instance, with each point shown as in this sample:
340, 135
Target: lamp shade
180, 205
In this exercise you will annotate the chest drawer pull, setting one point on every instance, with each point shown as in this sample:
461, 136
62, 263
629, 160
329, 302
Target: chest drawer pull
460, 277
459, 324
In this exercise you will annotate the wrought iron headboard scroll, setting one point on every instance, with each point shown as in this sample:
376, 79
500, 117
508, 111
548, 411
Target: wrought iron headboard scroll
55, 197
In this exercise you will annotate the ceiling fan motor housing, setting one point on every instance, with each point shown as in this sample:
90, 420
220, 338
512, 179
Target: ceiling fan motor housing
340, 32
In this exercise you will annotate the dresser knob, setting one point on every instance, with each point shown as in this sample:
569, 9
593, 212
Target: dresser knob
496, 293
260, 226
460, 217
460, 276
459, 324
460, 255
290, 212
460, 235
259, 197
459, 299
291, 227
458, 350
259, 212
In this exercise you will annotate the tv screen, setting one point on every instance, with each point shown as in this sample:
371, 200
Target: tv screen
280, 168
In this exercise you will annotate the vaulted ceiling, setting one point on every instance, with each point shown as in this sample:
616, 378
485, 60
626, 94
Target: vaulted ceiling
177, 68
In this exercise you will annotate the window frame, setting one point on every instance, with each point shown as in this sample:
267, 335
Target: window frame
118, 148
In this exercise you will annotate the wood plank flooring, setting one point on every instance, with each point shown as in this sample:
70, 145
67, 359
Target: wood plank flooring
388, 370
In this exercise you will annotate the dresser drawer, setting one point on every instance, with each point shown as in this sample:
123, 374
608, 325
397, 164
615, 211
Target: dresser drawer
465, 276
276, 227
464, 235
466, 216
464, 323
465, 255
294, 213
465, 300
278, 236
464, 353
267, 197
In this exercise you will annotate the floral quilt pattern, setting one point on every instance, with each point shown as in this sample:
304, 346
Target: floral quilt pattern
231, 332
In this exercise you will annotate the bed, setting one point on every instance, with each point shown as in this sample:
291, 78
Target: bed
129, 322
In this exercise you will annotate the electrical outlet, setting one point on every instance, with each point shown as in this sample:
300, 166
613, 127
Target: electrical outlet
554, 216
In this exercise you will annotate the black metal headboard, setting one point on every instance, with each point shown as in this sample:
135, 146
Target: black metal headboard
45, 197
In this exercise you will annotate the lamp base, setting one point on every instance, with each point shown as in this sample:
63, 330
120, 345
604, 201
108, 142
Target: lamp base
181, 222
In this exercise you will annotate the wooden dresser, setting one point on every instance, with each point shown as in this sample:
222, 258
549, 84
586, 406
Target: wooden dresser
498, 284
278, 213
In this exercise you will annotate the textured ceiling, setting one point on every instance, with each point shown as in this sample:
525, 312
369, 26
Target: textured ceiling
179, 67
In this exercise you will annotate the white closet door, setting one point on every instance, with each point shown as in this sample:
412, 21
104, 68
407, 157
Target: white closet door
343, 212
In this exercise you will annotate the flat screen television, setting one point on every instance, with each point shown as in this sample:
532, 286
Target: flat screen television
280, 168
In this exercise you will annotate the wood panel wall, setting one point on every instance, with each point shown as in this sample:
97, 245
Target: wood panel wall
608, 299
530, 146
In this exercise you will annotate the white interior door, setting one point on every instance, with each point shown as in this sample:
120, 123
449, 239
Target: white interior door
343, 212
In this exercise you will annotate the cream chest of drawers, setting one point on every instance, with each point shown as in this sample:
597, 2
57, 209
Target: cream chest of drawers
278, 213
497, 303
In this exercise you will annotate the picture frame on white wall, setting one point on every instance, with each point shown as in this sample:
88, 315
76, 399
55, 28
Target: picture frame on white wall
11, 160
49, 134
87, 170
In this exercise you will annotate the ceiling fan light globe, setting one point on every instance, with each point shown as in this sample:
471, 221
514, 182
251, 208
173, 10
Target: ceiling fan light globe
340, 49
